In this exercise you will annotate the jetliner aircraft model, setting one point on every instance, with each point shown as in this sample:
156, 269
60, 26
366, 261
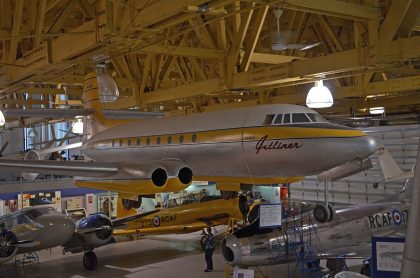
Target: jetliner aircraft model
255, 145
348, 233
42, 227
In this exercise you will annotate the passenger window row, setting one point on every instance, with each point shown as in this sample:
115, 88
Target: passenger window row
148, 140
292, 118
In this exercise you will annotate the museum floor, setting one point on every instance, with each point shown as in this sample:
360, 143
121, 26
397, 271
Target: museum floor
153, 256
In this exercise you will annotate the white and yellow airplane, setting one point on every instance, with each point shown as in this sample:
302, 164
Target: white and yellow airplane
274, 143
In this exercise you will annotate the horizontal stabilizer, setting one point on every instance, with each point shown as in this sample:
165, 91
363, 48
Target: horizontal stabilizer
48, 113
68, 168
72, 113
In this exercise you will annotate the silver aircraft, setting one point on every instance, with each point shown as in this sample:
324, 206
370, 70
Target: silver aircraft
41, 227
348, 232
264, 144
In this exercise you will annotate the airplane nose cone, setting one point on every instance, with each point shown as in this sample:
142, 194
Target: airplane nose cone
371, 145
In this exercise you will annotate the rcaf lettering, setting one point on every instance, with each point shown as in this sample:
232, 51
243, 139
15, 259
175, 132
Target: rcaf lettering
385, 219
148, 223
274, 145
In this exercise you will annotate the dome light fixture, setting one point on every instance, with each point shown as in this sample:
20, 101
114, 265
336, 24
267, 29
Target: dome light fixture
2, 119
77, 126
319, 96
376, 110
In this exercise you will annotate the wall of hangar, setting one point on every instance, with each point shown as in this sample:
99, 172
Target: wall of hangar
401, 141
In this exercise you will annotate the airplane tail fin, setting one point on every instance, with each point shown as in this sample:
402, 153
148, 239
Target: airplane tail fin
95, 122
390, 168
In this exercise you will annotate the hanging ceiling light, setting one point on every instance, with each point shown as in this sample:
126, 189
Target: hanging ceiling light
319, 96
376, 110
2, 120
77, 126
108, 90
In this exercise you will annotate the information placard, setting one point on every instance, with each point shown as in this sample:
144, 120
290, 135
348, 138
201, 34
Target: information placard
270, 216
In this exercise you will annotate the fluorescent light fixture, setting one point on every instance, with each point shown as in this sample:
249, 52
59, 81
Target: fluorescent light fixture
2, 120
77, 126
319, 96
376, 110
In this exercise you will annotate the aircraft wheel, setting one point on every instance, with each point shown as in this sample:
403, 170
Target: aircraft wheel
127, 203
202, 242
90, 261
321, 213
226, 195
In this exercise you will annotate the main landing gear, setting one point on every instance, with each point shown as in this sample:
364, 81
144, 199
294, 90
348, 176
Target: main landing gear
129, 204
323, 213
90, 261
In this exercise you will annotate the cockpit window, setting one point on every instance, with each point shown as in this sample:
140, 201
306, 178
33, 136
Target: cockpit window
300, 118
278, 119
316, 117
268, 119
37, 212
286, 119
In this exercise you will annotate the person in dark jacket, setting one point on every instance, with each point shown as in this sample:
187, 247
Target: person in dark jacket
209, 249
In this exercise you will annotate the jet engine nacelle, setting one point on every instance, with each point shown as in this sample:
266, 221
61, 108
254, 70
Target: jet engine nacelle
31, 155
94, 231
179, 175
172, 174
8, 246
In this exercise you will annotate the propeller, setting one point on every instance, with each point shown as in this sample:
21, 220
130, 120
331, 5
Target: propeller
281, 44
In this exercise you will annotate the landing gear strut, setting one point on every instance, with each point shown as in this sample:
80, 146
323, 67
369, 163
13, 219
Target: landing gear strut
226, 195
90, 261
129, 204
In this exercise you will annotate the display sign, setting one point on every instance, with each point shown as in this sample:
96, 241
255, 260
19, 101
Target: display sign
270, 215
52, 198
387, 254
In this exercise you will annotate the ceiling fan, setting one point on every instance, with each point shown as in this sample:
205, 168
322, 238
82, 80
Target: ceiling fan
281, 41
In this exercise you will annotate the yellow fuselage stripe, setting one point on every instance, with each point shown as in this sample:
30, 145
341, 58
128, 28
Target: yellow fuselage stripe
228, 135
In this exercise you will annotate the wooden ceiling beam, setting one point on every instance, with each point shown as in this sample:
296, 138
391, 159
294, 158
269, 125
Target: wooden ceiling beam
39, 24
252, 39
17, 22
335, 8
59, 21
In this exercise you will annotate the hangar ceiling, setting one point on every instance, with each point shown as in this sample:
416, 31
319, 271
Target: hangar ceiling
189, 56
